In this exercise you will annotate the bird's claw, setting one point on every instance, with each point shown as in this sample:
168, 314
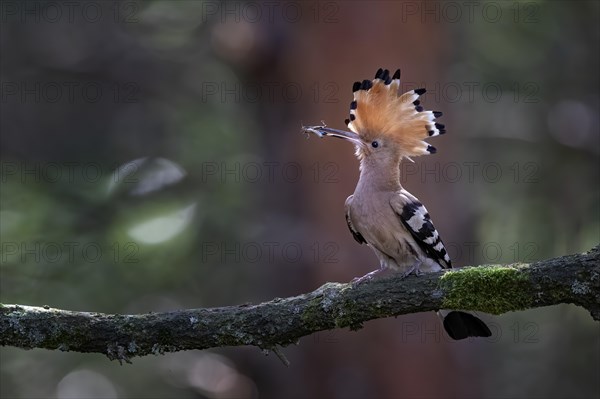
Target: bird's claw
356, 281
413, 270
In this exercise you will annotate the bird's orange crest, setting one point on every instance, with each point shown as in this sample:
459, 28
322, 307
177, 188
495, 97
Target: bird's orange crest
379, 109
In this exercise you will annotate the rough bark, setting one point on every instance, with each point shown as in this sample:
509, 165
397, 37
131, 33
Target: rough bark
492, 289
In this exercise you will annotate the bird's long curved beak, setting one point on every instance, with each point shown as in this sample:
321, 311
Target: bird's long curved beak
323, 130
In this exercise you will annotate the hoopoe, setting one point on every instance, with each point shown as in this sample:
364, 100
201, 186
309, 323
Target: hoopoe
386, 127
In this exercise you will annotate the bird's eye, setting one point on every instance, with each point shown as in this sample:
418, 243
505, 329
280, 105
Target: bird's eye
375, 144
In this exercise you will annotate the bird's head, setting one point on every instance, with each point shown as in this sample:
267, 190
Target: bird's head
386, 126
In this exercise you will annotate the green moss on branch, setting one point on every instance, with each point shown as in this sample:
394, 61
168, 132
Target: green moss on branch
491, 289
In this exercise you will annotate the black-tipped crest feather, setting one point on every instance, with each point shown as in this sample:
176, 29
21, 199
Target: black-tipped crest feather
380, 111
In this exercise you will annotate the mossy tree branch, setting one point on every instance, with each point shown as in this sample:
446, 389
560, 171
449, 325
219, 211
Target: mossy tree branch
492, 289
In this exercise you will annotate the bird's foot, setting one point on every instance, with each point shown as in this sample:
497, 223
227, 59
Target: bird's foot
413, 270
366, 278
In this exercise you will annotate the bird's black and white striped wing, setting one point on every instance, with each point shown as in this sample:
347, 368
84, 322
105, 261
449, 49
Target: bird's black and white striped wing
417, 221
357, 236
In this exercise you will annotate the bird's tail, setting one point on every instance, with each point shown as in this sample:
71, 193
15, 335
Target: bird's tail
379, 108
461, 325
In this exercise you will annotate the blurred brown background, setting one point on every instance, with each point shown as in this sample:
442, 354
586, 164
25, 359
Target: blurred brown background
152, 160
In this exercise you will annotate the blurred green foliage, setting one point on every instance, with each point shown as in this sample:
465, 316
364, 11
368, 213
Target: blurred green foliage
149, 175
